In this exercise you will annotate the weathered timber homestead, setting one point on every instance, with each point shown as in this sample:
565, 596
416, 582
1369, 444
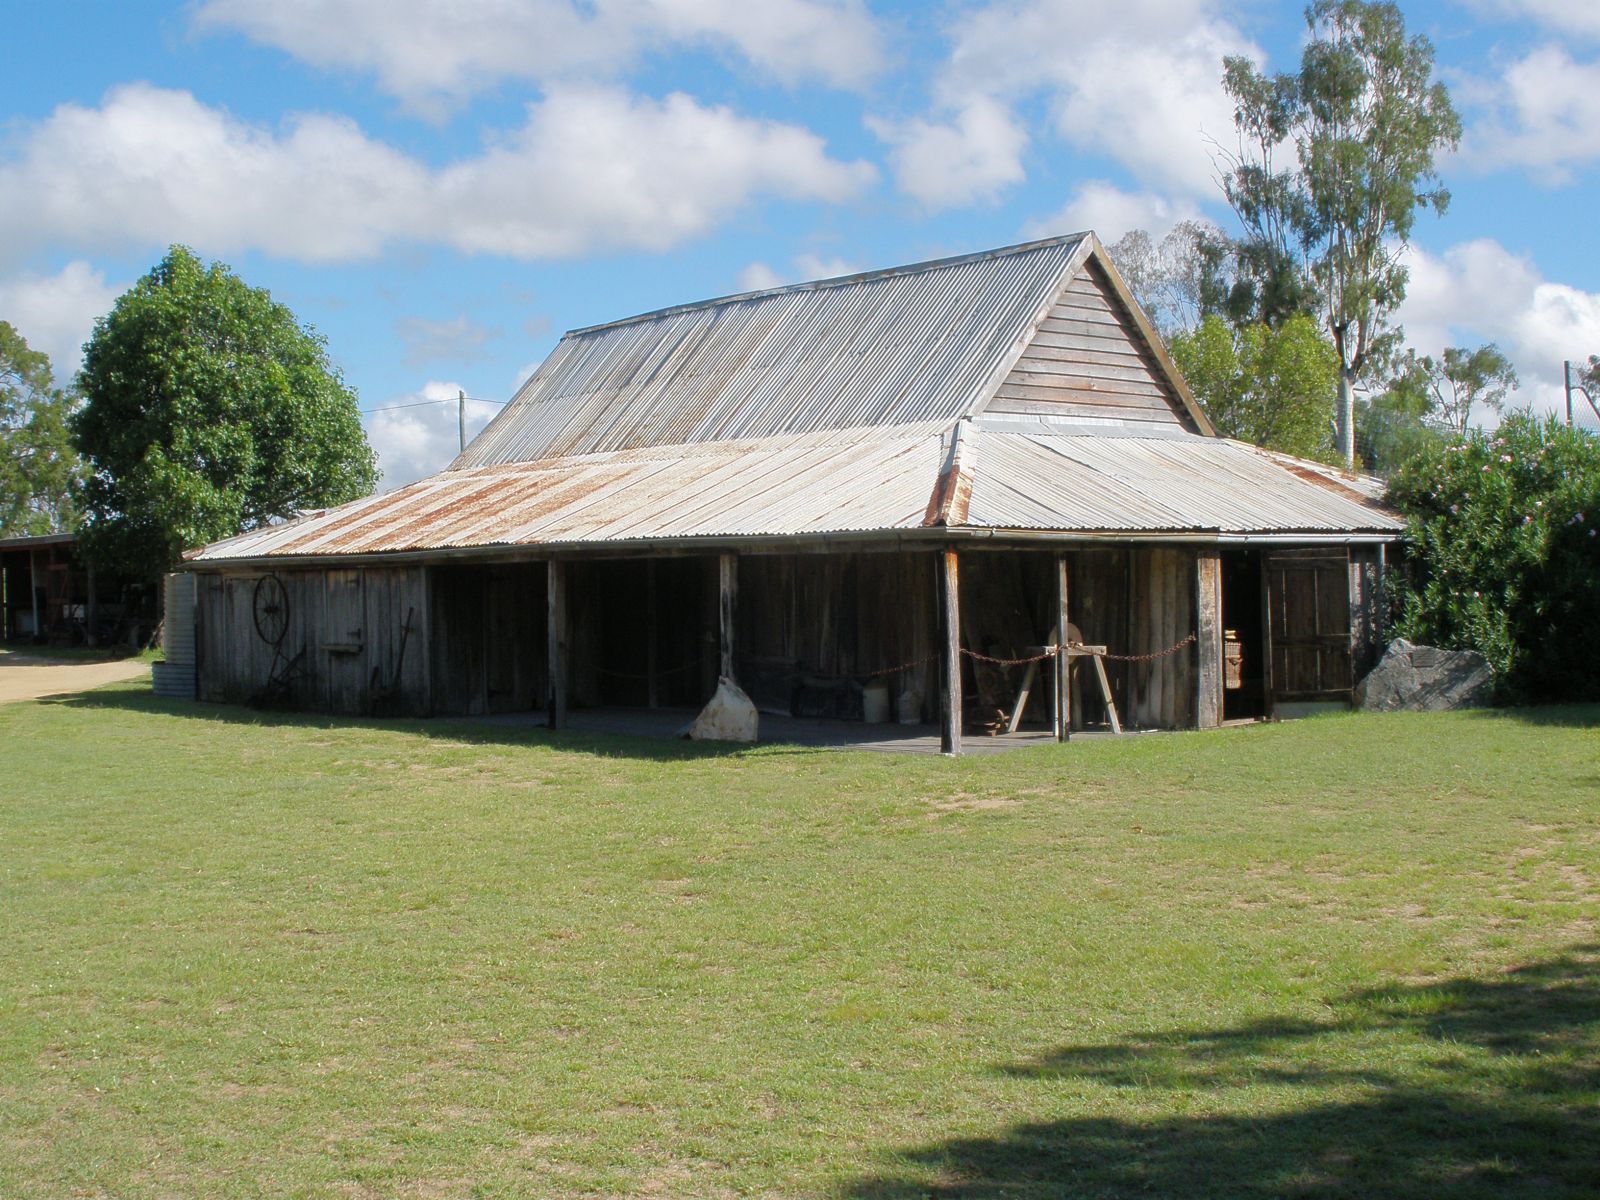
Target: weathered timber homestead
891, 478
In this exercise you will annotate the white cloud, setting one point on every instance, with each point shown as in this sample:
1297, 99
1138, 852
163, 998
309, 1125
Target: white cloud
758, 276
1581, 17
1139, 81
459, 339
1111, 212
434, 55
815, 266
56, 313
596, 169
1481, 292
180, 171
415, 435
592, 169
1543, 113
967, 159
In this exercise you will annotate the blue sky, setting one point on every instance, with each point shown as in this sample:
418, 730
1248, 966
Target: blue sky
441, 189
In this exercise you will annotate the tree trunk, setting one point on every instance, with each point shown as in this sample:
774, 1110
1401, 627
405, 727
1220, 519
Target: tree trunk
1347, 416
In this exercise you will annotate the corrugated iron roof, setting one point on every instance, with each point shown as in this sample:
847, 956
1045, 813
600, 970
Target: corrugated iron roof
1088, 482
890, 347
840, 482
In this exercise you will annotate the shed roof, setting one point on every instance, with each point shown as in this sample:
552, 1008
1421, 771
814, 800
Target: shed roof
869, 405
841, 483
919, 343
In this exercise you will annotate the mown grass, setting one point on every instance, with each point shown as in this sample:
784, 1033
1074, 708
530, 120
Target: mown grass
250, 955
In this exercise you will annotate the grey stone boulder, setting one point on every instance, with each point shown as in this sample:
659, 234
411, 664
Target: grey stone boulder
1412, 678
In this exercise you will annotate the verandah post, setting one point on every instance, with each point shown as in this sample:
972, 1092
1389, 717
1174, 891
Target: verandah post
1063, 699
728, 607
1208, 639
950, 659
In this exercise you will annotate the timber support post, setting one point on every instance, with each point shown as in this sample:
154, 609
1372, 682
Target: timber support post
728, 610
1062, 708
950, 659
1208, 639
556, 710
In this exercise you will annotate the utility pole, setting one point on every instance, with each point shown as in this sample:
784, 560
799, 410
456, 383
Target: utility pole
461, 417
1566, 370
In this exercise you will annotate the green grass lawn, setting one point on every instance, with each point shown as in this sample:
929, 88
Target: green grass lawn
248, 955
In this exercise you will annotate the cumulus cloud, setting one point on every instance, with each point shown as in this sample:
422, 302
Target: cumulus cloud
1481, 292
970, 158
415, 435
1543, 113
56, 313
432, 56
1140, 82
597, 169
1580, 17
591, 169
758, 276
1111, 212
459, 339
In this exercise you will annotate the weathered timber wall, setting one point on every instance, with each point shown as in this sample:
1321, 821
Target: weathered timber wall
345, 646
1161, 693
489, 647
1087, 360
809, 621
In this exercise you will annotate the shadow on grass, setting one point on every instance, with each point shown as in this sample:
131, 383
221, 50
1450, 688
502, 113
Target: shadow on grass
453, 729
1465, 1088
1565, 716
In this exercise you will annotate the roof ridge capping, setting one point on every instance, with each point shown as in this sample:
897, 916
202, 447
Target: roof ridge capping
813, 285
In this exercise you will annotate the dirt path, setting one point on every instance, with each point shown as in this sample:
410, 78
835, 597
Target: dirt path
23, 677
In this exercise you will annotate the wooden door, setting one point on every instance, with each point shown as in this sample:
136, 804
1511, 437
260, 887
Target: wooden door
344, 640
1308, 625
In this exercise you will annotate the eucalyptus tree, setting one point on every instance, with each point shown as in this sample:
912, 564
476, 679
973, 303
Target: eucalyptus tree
1362, 120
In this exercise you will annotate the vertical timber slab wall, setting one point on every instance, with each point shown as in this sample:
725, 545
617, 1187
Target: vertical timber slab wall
1161, 692
345, 646
486, 650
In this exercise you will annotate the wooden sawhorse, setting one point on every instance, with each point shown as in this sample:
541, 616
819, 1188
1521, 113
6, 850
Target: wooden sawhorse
1030, 677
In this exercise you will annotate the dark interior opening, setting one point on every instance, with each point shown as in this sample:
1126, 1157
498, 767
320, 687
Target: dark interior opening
644, 632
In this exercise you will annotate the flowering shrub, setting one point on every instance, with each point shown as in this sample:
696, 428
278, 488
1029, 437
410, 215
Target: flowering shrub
1504, 556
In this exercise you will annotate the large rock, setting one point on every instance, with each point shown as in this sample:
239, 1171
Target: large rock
1411, 678
728, 716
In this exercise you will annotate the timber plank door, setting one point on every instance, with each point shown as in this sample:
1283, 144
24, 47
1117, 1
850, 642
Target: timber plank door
1308, 625
344, 640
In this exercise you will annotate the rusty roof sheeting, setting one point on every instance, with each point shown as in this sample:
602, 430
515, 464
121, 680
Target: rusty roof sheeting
840, 481
887, 347
1087, 482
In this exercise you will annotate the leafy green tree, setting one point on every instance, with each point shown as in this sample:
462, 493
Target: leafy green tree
1504, 536
1273, 387
38, 466
1364, 119
1394, 425
209, 411
1461, 380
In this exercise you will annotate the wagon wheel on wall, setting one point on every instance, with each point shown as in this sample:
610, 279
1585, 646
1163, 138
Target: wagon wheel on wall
270, 608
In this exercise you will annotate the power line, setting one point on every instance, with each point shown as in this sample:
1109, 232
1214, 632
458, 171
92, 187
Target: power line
425, 403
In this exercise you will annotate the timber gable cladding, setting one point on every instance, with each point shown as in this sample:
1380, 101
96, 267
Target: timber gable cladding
1014, 399
1088, 360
